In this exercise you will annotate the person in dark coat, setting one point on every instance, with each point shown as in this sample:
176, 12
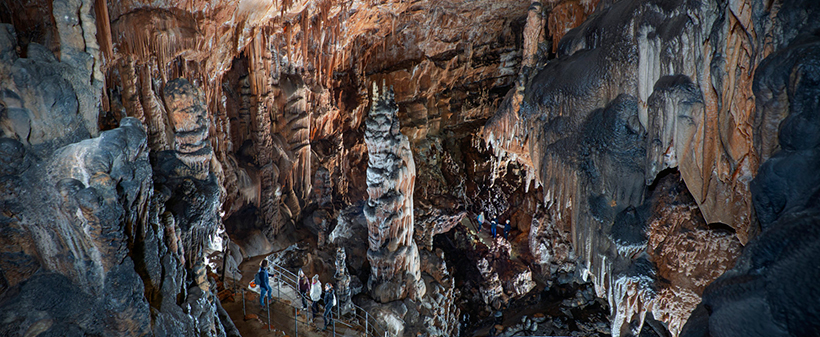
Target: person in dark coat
494, 227
264, 287
507, 228
330, 302
304, 287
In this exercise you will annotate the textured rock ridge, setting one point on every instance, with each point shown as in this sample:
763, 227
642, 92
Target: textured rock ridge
191, 124
96, 240
769, 290
391, 175
636, 90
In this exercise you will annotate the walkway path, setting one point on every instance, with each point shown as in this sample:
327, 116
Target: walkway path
253, 320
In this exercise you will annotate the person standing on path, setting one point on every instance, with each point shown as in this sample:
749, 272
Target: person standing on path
315, 295
507, 229
480, 219
330, 302
494, 226
261, 279
304, 287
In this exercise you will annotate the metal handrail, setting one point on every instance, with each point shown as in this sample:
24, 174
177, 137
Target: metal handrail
292, 281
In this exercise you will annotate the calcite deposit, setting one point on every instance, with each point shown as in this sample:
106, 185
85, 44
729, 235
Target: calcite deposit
664, 151
342, 277
391, 176
639, 89
190, 121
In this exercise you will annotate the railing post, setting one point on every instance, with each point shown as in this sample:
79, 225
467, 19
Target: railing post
267, 303
366, 319
334, 322
243, 304
296, 320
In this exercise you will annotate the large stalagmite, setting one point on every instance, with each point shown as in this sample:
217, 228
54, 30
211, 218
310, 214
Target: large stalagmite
191, 124
391, 175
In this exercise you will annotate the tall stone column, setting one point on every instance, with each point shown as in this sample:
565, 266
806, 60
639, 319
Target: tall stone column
186, 171
190, 120
342, 277
391, 175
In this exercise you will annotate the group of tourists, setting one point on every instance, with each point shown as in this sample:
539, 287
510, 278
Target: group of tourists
309, 290
312, 291
494, 226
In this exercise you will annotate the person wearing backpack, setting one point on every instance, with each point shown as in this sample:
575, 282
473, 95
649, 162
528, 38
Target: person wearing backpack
261, 279
315, 295
330, 302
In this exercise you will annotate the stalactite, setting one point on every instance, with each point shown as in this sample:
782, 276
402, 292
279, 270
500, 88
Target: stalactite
288, 28
130, 96
154, 111
104, 30
305, 41
152, 32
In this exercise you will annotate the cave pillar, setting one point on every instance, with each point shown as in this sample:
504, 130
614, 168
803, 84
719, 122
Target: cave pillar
533, 34
391, 175
342, 277
190, 120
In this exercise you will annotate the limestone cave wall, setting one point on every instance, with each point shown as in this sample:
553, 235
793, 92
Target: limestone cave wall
644, 93
661, 149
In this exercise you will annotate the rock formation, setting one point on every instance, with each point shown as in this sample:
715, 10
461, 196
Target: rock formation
391, 175
636, 90
342, 282
769, 290
190, 120
92, 230
646, 146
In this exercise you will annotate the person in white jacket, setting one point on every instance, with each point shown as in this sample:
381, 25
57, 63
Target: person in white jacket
315, 295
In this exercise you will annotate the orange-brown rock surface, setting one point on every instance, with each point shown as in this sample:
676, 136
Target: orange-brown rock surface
620, 138
190, 121
638, 88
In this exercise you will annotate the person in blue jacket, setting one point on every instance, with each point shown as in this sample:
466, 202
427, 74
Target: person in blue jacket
264, 286
507, 228
494, 226
330, 302
480, 222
